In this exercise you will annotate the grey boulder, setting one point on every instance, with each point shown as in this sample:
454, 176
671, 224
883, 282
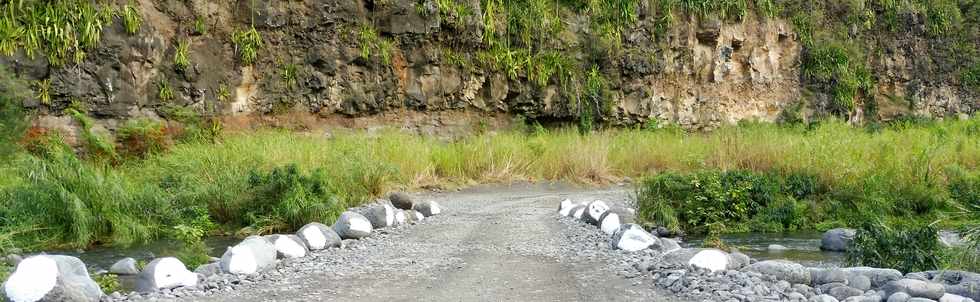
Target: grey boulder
401, 200
427, 208
164, 273
351, 225
126, 266
822, 298
954, 298
381, 216
738, 260
782, 270
837, 240
252, 255
915, 288
317, 236
899, 297
878, 276
51, 278
208, 270
843, 292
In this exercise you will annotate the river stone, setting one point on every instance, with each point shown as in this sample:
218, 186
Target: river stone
668, 245
164, 273
401, 200
899, 297
844, 292
381, 216
864, 298
820, 276
126, 266
878, 276
428, 208
823, 298
632, 238
317, 236
609, 222
352, 225
565, 207
208, 270
915, 288
51, 278
954, 298
859, 282
738, 260
961, 283
782, 270
594, 211
711, 259
13, 259
252, 255
578, 211
400, 218
288, 246
837, 240
776, 248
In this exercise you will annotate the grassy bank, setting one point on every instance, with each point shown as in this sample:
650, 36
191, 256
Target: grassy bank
275, 180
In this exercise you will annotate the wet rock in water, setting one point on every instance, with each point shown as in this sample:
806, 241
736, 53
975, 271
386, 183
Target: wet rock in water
252, 255
823, 298
565, 207
899, 297
782, 270
351, 225
317, 236
594, 211
915, 288
401, 200
164, 273
738, 260
126, 266
837, 240
950, 239
288, 246
844, 292
427, 208
710, 259
381, 216
632, 238
776, 248
51, 278
208, 270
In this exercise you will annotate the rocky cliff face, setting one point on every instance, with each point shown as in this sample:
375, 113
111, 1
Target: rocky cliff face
317, 58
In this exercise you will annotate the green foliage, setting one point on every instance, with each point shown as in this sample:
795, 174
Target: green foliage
848, 78
43, 88
942, 16
132, 19
200, 28
768, 8
290, 198
181, 58
905, 247
193, 252
61, 30
971, 77
247, 44
288, 74
5, 270
371, 43
223, 94
142, 137
164, 92
95, 146
109, 283
453, 11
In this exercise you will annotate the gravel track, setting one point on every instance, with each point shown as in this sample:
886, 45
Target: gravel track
493, 243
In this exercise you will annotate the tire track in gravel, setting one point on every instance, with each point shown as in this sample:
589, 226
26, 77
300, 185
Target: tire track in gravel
494, 243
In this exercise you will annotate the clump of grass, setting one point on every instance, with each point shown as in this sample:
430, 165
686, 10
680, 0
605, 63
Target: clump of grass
875, 244
164, 92
132, 19
142, 137
372, 44
109, 283
43, 88
288, 74
181, 58
247, 44
200, 28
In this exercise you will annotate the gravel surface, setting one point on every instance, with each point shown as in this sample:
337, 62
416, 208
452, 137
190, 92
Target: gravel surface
493, 243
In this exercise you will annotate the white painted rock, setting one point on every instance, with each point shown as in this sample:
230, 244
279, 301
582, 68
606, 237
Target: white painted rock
578, 211
317, 236
427, 208
416, 215
617, 216
252, 255
400, 218
51, 278
632, 238
594, 211
711, 259
164, 273
954, 298
381, 216
288, 246
565, 207
352, 225
126, 266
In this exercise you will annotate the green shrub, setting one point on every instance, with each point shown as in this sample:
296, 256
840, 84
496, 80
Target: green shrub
141, 137
905, 247
109, 283
132, 19
290, 198
247, 44
971, 77
181, 58
193, 252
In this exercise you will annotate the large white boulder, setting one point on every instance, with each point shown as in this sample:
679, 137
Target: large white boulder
616, 216
594, 211
317, 236
632, 238
381, 216
288, 246
400, 217
427, 208
164, 273
711, 259
565, 207
352, 225
51, 278
252, 255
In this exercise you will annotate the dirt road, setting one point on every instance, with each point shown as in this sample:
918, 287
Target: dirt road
494, 243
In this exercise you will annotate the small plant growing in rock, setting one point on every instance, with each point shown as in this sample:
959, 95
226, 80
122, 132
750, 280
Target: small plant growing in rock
132, 19
371, 44
109, 283
224, 94
43, 88
164, 92
287, 72
247, 44
200, 28
181, 58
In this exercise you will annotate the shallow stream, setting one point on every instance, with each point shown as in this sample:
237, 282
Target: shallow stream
801, 247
